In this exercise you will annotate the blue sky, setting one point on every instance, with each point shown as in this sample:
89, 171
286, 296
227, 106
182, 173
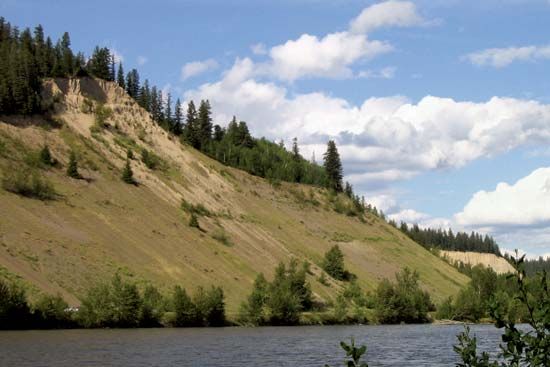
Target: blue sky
432, 103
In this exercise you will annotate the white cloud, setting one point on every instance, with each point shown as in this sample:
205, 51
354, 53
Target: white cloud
501, 57
334, 54
525, 203
387, 14
259, 49
192, 69
383, 139
385, 73
142, 60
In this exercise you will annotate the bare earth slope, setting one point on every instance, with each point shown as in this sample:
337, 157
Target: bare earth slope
498, 264
101, 225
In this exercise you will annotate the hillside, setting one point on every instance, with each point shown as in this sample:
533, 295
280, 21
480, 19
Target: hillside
498, 264
101, 225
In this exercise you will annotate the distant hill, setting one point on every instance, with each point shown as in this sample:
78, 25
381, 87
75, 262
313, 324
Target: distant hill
100, 225
498, 264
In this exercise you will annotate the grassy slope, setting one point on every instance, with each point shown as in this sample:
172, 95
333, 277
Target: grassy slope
101, 226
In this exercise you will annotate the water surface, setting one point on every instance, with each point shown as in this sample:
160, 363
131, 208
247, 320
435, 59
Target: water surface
400, 345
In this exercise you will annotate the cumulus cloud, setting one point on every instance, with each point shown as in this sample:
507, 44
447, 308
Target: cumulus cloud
330, 56
501, 57
522, 204
334, 54
383, 139
192, 69
387, 14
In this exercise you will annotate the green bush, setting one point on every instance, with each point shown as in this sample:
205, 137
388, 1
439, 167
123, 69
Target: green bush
30, 183
198, 209
403, 301
128, 174
72, 168
14, 310
51, 313
207, 308
281, 301
221, 236
117, 304
193, 221
151, 160
333, 264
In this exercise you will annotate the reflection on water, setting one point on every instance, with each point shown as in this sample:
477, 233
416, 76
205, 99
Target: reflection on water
401, 345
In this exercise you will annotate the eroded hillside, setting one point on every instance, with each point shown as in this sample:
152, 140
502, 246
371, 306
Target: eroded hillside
100, 225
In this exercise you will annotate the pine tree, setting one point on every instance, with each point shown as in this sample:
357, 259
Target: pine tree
100, 63
204, 124
190, 128
168, 119
128, 174
120, 76
295, 150
333, 263
333, 167
178, 119
72, 168
132, 83
67, 55
144, 98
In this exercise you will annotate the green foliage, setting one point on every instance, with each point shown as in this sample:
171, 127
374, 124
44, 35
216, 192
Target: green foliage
128, 174
72, 168
447, 240
281, 301
51, 313
333, 167
402, 301
117, 304
30, 183
207, 308
102, 114
333, 264
153, 307
193, 221
151, 160
355, 294
14, 310
46, 156
353, 354
198, 209
130, 154
221, 236
519, 348
323, 279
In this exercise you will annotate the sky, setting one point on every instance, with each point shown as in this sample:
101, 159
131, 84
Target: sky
440, 108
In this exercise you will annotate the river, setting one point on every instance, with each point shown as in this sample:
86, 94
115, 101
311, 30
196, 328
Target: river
399, 345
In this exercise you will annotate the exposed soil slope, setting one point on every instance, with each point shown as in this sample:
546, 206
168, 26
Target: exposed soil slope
101, 225
498, 264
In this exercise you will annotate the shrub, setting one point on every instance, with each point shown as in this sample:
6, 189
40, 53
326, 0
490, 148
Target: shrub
198, 209
193, 221
220, 235
281, 301
403, 301
51, 313
353, 354
184, 308
28, 182
128, 174
46, 156
153, 307
333, 264
72, 168
14, 310
151, 160
117, 304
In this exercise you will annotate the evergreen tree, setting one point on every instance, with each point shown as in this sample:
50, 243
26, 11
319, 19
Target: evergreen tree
333, 263
132, 83
67, 55
204, 126
99, 64
72, 168
333, 167
177, 126
128, 174
190, 133
46, 156
295, 150
120, 76
144, 99
168, 118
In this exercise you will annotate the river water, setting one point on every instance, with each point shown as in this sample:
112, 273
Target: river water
400, 345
